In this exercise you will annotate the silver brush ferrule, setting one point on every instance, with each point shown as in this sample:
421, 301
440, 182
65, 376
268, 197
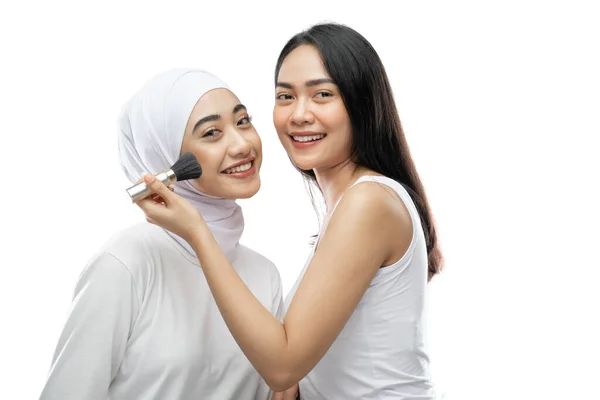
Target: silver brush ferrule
140, 191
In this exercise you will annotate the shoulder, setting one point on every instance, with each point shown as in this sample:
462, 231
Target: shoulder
374, 205
373, 215
130, 253
139, 235
258, 272
136, 245
257, 262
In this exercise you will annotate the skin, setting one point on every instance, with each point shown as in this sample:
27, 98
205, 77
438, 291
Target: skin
346, 259
220, 134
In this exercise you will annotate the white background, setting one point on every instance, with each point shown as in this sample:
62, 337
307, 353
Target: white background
500, 104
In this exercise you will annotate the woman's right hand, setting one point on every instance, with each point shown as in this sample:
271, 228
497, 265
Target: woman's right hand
169, 210
290, 394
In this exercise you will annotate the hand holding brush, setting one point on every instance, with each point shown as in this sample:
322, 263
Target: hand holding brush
170, 211
187, 167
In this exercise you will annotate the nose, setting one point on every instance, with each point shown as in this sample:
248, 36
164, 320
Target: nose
239, 146
301, 113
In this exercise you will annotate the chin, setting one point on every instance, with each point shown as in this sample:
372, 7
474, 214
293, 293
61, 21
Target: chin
304, 164
245, 191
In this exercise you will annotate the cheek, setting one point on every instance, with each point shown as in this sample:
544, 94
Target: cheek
255, 141
337, 120
279, 119
207, 181
192, 146
209, 160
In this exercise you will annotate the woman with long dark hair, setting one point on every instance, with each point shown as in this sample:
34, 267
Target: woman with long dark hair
354, 327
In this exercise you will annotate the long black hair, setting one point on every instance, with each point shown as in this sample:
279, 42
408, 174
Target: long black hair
378, 141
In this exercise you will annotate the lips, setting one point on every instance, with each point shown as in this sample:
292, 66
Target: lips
249, 160
239, 169
306, 139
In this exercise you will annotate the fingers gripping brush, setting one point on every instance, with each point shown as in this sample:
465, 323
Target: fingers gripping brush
187, 167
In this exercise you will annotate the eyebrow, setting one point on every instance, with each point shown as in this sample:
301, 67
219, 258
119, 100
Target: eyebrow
312, 82
238, 108
216, 117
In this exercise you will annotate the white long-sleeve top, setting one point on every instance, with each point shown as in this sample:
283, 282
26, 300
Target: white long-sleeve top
144, 325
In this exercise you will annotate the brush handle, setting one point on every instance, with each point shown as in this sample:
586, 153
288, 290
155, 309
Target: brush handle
140, 191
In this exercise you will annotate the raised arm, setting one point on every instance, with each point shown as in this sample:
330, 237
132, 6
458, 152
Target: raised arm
357, 242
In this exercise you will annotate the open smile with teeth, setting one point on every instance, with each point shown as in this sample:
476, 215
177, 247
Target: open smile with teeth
308, 138
239, 168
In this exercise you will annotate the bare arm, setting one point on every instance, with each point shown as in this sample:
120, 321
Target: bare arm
357, 242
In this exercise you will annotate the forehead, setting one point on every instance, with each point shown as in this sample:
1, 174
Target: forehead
217, 101
303, 63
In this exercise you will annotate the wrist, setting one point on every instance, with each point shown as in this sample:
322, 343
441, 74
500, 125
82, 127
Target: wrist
199, 235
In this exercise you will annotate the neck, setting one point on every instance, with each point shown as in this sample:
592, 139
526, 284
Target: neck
336, 180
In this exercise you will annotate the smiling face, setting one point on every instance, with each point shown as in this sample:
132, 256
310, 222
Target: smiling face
309, 114
220, 134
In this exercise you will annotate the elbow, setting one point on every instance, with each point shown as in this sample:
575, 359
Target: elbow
280, 381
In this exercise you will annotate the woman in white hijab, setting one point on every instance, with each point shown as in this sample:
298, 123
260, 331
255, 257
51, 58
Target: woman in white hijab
143, 323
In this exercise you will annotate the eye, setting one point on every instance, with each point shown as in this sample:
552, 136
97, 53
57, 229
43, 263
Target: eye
323, 94
211, 133
245, 120
284, 96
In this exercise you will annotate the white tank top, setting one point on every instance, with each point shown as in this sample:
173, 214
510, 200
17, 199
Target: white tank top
381, 352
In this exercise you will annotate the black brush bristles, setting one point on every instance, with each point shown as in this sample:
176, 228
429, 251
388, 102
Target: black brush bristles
187, 167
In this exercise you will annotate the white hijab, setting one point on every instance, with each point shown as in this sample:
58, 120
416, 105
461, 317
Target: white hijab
151, 130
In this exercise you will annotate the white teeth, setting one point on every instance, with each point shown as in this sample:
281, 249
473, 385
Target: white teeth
239, 168
308, 138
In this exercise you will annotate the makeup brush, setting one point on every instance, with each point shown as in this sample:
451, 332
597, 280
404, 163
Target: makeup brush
187, 167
